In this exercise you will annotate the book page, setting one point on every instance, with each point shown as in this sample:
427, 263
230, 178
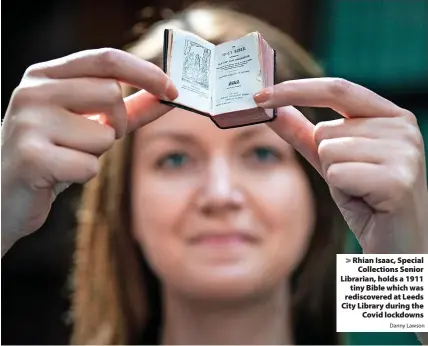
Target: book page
238, 75
190, 67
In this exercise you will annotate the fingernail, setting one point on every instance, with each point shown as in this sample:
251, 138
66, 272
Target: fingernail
171, 92
263, 96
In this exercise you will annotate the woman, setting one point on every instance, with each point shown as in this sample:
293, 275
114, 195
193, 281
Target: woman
193, 235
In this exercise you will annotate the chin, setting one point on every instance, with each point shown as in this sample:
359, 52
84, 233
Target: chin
229, 284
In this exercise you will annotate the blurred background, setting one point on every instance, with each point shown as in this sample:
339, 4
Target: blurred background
380, 44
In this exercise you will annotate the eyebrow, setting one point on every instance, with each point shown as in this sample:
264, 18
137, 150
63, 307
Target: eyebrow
189, 139
248, 133
180, 137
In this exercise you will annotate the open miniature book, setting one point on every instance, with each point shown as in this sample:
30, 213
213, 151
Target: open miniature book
220, 81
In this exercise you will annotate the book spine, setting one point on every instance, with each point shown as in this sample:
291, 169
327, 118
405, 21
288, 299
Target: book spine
165, 50
274, 79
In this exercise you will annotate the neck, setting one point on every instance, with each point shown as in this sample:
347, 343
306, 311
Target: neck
259, 322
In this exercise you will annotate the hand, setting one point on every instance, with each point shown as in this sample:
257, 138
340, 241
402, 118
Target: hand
48, 138
372, 159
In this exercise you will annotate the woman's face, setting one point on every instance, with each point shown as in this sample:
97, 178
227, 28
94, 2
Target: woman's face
218, 213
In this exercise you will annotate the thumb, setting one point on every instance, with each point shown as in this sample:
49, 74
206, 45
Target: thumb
142, 108
293, 127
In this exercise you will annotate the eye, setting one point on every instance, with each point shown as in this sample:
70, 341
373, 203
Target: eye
264, 155
173, 161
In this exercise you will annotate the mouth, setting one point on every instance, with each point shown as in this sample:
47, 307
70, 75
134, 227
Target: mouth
223, 238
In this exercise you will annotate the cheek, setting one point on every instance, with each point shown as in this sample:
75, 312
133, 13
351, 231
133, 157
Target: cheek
158, 208
285, 206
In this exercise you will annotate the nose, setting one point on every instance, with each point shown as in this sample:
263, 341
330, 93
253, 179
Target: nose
219, 192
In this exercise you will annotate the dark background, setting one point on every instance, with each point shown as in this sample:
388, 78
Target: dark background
380, 44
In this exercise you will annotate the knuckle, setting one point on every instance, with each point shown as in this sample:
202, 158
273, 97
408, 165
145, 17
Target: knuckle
323, 149
107, 59
114, 91
92, 167
34, 70
332, 175
409, 117
109, 135
25, 94
414, 136
414, 157
404, 181
339, 86
30, 149
320, 130
23, 125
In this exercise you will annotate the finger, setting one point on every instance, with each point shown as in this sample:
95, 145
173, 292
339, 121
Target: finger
293, 127
376, 184
88, 96
359, 149
45, 164
69, 165
79, 133
110, 63
374, 128
143, 108
347, 98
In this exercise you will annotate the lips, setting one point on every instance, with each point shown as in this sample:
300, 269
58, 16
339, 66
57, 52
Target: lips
223, 238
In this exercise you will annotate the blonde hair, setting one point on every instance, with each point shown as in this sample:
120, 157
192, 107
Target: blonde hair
110, 300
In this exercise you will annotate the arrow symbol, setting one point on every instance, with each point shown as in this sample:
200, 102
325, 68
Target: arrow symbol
348, 260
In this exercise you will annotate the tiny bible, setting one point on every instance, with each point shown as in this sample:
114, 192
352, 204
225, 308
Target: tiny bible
219, 81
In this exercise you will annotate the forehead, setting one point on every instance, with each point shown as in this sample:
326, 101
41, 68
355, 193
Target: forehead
179, 121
